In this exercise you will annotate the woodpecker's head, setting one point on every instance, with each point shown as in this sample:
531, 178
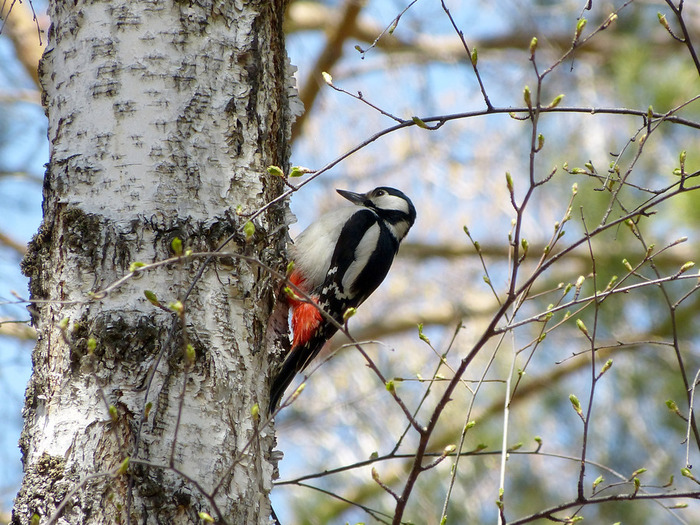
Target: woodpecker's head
390, 204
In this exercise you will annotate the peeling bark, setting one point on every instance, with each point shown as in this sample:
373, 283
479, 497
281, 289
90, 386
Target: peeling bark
162, 119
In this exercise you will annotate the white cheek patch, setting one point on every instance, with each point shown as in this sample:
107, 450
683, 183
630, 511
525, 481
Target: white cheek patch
392, 202
363, 252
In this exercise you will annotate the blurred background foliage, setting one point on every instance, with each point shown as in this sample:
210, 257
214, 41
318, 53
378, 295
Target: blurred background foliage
456, 178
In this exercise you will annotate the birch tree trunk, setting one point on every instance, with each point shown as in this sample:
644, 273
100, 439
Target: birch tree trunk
163, 116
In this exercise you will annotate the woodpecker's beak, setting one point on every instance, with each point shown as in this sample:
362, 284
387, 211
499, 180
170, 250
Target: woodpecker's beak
355, 198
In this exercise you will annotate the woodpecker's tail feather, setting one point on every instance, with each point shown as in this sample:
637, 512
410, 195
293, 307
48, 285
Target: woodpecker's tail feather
284, 377
298, 358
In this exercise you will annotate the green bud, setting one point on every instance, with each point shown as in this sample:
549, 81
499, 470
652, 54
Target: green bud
255, 411
190, 353
509, 182
474, 57
579, 28
672, 406
151, 296
91, 345
298, 391
664, 22
327, 78
527, 97
290, 293
555, 103
123, 467
638, 472
419, 122
349, 313
687, 266
540, 141
248, 229
275, 171
177, 306
421, 335
609, 21
134, 266
533, 46
576, 404
176, 245
390, 386
597, 481
581, 326
298, 171
206, 517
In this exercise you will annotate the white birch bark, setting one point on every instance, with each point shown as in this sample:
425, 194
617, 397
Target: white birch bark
162, 118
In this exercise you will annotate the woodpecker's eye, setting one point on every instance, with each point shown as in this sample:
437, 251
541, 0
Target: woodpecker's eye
380, 193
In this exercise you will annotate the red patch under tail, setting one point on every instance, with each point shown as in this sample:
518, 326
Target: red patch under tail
305, 321
305, 316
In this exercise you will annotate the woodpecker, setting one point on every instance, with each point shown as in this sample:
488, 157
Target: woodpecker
339, 261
